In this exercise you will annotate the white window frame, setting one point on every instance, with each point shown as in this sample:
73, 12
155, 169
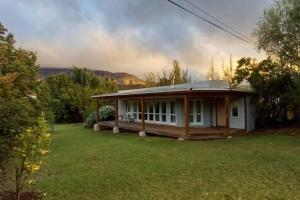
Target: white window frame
194, 112
233, 104
172, 114
148, 104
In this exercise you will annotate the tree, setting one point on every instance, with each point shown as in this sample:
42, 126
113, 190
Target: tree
228, 72
278, 32
68, 97
150, 80
212, 73
275, 85
18, 85
176, 74
31, 145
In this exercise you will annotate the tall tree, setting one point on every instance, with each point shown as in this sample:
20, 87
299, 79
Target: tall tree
18, 85
228, 72
278, 32
212, 73
176, 74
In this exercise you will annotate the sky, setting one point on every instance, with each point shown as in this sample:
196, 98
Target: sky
134, 36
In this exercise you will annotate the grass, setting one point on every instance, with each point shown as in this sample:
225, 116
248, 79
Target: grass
84, 164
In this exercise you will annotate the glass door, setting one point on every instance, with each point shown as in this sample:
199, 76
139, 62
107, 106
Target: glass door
195, 107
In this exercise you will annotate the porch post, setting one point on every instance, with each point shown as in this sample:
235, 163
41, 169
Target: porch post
116, 128
143, 131
227, 122
186, 115
245, 113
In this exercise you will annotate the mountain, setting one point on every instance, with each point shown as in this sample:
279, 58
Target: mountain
123, 78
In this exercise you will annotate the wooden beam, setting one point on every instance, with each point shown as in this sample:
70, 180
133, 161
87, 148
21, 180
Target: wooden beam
186, 115
245, 113
97, 112
117, 111
227, 119
143, 113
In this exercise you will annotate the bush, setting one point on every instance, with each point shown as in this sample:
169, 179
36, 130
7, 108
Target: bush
107, 113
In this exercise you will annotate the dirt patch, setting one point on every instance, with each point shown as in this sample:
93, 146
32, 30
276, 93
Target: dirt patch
30, 195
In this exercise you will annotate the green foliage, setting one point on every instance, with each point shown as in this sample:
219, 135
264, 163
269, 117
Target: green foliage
278, 31
106, 113
276, 87
18, 85
31, 145
68, 97
91, 120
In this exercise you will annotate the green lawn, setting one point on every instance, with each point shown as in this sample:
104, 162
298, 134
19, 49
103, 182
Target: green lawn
84, 164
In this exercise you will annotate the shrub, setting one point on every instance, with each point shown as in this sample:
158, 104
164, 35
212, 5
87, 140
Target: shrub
106, 113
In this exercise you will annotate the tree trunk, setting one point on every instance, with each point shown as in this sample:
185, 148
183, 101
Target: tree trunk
17, 185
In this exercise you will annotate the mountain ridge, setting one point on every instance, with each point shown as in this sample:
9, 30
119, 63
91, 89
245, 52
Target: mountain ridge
122, 78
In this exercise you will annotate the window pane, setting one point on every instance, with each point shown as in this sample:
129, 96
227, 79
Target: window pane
173, 118
157, 107
156, 117
198, 118
172, 107
235, 111
128, 106
140, 116
151, 117
198, 106
163, 107
146, 116
150, 108
135, 106
139, 106
163, 118
191, 106
191, 118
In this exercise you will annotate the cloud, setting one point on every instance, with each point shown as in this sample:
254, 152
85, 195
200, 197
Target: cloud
135, 36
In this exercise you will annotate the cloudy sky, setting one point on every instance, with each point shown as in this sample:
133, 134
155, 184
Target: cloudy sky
134, 36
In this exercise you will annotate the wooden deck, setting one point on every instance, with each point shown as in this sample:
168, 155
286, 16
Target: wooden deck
173, 131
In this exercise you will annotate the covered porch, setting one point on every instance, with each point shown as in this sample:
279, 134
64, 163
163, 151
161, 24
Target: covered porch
189, 111
173, 131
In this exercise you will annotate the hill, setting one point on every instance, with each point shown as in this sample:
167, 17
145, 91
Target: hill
123, 78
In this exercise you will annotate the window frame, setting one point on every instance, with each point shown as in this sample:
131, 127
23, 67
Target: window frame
194, 113
234, 104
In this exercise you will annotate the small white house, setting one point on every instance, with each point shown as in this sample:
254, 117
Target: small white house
201, 110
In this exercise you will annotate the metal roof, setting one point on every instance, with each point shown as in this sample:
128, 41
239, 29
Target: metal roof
205, 86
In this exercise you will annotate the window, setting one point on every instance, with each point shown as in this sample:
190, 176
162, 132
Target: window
128, 109
173, 112
195, 108
150, 110
157, 111
146, 111
163, 106
235, 109
135, 110
139, 111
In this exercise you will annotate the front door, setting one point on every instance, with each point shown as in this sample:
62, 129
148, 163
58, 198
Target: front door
220, 112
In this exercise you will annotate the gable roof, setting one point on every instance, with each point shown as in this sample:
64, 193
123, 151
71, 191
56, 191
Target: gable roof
208, 86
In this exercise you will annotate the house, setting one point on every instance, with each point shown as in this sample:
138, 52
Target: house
201, 110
